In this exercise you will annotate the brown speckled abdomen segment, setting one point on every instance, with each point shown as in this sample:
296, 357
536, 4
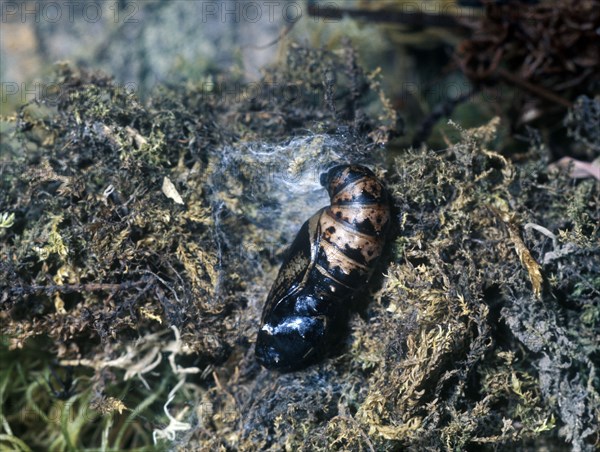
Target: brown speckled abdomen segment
352, 229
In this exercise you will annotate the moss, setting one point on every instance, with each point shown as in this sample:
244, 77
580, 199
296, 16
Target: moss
480, 334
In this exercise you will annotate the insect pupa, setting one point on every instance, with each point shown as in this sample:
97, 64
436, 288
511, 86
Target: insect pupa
331, 258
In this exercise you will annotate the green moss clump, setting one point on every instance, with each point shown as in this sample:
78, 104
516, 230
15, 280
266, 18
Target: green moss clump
139, 243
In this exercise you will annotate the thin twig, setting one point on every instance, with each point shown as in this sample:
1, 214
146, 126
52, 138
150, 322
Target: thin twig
535, 89
68, 288
413, 18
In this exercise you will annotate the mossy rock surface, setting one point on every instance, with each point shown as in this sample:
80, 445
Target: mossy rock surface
139, 242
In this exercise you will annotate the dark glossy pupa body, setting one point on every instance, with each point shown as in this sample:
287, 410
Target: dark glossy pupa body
332, 256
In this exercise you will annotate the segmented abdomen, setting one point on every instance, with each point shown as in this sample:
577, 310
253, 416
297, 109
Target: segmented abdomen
352, 229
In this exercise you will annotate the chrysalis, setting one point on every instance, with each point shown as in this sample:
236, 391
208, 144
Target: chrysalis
332, 256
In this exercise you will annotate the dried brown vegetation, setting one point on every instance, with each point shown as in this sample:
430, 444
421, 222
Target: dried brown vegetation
549, 50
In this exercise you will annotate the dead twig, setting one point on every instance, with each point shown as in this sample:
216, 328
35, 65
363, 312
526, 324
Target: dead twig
70, 288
